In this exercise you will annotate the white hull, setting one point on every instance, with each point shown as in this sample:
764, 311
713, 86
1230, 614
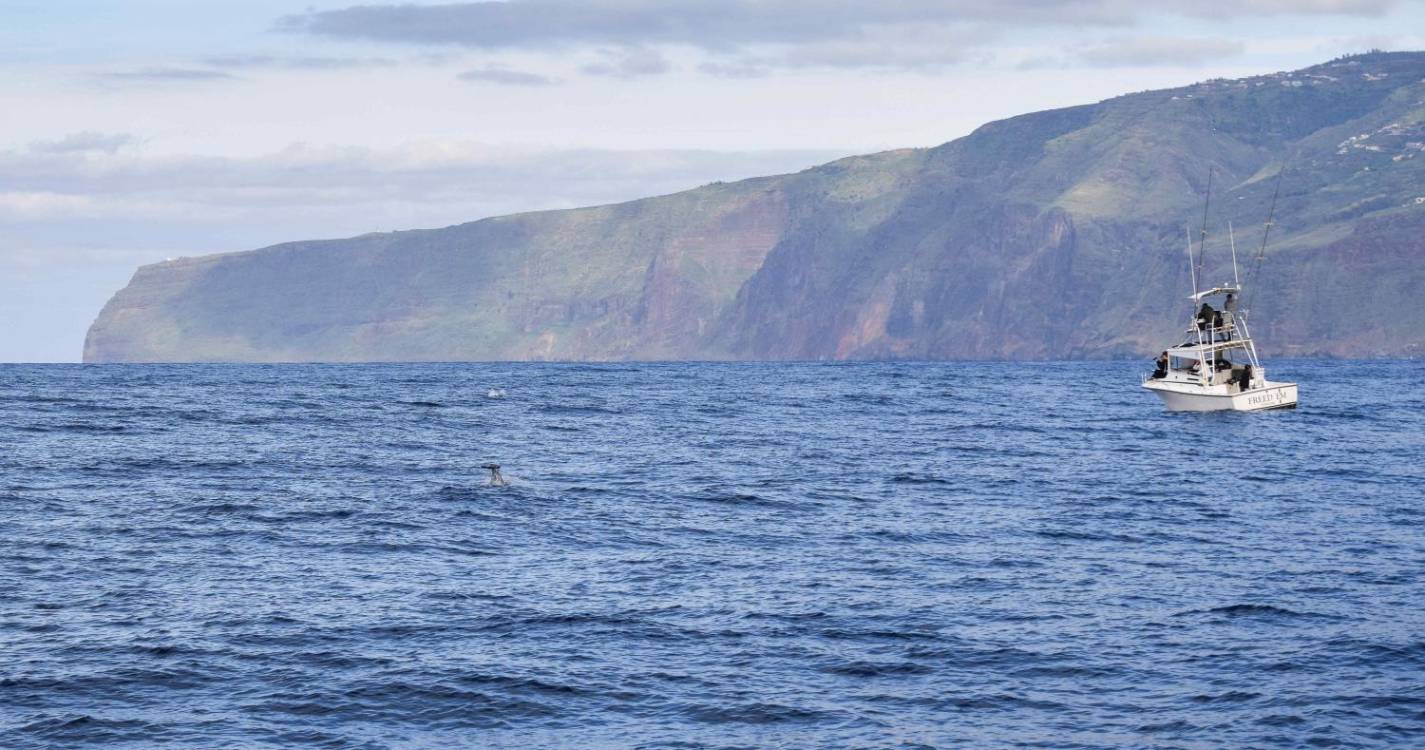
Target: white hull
1191, 397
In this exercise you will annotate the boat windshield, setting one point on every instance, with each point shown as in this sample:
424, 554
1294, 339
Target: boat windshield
1191, 364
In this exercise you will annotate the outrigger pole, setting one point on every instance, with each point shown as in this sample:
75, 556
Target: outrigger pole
1192, 273
1232, 243
1192, 270
1204, 365
1202, 236
1266, 231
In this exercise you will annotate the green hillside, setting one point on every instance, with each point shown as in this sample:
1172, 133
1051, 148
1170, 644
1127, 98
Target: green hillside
1058, 234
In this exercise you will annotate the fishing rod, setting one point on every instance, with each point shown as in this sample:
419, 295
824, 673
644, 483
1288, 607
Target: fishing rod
1232, 243
1202, 236
1192, 269
1266, 232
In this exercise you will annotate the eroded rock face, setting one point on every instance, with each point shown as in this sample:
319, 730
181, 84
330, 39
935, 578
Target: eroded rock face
1058, 234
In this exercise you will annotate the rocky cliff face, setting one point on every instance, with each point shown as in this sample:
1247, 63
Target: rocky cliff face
1058, 234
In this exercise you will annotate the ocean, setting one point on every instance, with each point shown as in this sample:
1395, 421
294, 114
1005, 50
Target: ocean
870, 555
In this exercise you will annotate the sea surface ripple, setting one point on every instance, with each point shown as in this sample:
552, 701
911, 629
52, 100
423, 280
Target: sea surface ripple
707, 556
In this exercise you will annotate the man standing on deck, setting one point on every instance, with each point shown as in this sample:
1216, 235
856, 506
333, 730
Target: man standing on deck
1204, 316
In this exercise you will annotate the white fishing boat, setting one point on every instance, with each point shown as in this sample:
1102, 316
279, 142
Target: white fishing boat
1216, 367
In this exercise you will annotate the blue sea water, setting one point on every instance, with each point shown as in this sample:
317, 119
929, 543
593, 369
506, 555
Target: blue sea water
707, 556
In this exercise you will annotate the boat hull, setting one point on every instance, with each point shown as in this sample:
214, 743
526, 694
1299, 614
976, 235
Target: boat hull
1178, 397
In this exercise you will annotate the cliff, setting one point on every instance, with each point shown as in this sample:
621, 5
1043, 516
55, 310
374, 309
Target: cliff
1058, 234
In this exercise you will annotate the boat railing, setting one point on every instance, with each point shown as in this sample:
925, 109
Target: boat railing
1223, 332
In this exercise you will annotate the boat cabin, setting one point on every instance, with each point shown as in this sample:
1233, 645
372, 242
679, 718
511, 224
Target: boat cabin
1225, 363
1216, 350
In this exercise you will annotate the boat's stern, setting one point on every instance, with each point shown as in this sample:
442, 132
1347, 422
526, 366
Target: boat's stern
1269, 396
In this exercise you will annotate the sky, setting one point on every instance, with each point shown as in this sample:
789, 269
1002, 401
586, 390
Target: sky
142, 130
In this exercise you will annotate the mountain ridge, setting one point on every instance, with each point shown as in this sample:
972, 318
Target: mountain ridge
1055, 234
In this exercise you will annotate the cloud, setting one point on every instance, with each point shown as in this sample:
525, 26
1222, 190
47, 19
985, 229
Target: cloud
753, 38
85, 141
709, 24
720, 25
1150, 51
19, 204
360, 189
742, 69
886, 48
629, 62
889, 47
1239, 8
297, 63
505, 77
167, 75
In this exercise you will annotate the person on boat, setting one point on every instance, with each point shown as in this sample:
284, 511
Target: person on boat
1162, 364
1204, 316
1219, 367
1229, 308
